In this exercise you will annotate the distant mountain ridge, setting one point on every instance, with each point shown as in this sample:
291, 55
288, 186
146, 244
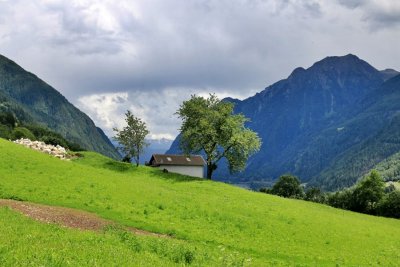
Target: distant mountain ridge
317, 121
43, 104
156, 146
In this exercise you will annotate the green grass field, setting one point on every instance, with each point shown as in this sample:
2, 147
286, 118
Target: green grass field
212, 223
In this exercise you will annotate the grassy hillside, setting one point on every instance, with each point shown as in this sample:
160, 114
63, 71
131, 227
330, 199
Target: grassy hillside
25, 242
211, 222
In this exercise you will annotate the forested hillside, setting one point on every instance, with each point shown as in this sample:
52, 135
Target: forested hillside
33, 100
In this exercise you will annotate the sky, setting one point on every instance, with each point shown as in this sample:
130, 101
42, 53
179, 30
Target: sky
149, 56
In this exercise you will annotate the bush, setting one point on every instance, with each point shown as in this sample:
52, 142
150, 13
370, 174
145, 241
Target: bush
22, 132
266, 190
8, 119
342, 199
288, 186
54, 140
75, 147
390, 205
5, 132
315, 194
390, 188
368, 193
126, 159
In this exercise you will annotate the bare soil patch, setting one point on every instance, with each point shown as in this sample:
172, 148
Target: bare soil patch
68, 217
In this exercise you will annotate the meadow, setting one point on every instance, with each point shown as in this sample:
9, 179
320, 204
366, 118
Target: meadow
210, 223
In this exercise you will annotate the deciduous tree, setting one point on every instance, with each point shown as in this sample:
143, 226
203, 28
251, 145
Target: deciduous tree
288, 186
209, 126
131, 138
368, 193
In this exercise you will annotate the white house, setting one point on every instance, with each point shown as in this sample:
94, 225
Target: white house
192, 165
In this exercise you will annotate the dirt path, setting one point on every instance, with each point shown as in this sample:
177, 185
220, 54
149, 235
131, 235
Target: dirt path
68, 217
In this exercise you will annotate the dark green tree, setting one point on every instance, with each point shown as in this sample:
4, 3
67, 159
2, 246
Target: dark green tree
288, 186
341, 199
390, 205
315, 194
368, 193
131, 138
209, 126
8, 118
22, 132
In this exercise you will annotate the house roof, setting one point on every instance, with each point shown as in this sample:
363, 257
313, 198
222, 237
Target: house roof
181, 160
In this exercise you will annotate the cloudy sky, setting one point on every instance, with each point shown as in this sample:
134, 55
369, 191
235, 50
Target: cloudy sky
150, 55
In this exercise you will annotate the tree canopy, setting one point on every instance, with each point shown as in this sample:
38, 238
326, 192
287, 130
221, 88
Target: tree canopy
209, 126
131, 138
368, 193
288, 186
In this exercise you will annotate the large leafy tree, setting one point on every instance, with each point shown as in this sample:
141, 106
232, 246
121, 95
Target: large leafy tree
209, 126
131, 138
288, 186
368, 193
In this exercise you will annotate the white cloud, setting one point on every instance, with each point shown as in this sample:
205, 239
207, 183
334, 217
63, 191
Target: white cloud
105, 108
156, 108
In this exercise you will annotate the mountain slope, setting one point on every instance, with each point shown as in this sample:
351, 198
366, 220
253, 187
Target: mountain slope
212, 223
46, 106
374, 134
301, 121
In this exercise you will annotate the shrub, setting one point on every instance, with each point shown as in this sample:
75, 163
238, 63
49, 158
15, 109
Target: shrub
7, 118
54, 140
22, 132
342, 199
75, 147
288, 186
315, 194
390, 188
266, 190
5, 131
390, 205
126, 159
368, 193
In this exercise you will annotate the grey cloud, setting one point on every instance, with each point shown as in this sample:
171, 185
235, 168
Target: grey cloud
144, 48
383, 18
352, 3
379, 14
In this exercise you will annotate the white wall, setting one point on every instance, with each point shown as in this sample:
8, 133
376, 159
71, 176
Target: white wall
196, 171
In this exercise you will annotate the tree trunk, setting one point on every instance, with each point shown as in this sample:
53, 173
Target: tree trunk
210, 170
137, 161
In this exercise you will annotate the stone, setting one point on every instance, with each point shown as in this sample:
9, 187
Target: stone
56, 151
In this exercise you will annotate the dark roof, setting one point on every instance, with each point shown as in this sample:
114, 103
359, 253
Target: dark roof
181, 160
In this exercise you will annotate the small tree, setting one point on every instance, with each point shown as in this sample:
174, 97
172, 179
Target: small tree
288, 186
209, 125
390, 205
341, 199
315, 194
368, 193
132, 137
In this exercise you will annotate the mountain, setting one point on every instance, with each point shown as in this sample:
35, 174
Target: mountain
368, 138
319, 124
42, 104
389, 73
156, 146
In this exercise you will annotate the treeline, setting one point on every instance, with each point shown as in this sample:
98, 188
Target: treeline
12, 128
369, 196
